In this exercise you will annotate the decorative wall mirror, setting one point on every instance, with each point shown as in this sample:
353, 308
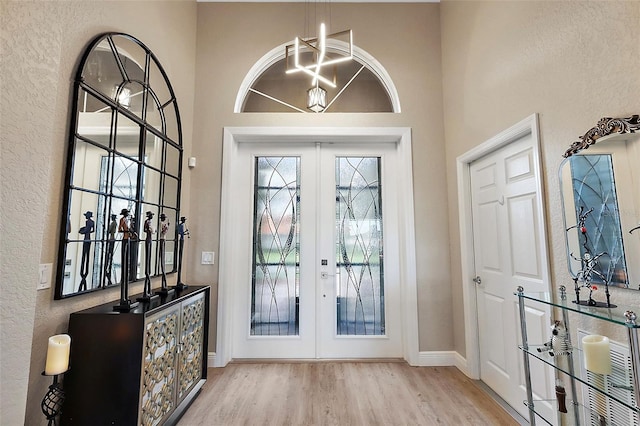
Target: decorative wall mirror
125, 153
600, 186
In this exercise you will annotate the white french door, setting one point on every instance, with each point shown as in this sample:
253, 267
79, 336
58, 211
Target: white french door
316, 253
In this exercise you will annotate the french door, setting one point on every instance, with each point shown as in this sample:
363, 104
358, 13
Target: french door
317, 252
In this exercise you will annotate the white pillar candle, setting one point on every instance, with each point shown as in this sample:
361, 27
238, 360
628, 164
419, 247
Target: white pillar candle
58, 354
597, 354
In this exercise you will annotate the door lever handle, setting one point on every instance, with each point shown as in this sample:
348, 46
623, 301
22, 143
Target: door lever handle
477, 280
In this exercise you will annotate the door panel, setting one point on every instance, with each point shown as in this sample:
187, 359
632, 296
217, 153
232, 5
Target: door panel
507, 255
273, 313
495, 347
363, 296
523, 234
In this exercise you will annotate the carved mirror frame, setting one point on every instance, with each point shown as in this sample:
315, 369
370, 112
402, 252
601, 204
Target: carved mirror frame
124, 153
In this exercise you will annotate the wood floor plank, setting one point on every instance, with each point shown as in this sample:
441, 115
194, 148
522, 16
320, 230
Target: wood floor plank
341, 393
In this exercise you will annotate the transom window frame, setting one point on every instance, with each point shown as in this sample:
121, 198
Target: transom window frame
277, 54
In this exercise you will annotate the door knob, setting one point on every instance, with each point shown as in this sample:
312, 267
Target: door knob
477, 280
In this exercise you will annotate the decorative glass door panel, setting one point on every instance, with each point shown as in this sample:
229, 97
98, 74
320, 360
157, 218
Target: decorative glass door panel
275, 286
359, 248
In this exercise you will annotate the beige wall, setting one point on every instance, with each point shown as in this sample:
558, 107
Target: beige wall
41, 44
405, 40
570, 62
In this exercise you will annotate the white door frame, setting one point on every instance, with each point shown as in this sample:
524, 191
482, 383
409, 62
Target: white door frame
401, 136
527, 126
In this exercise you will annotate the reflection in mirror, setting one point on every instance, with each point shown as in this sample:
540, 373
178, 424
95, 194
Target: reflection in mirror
601, 198
126, 137
172, 166
125, 144
151, 186
153, 151
170, 196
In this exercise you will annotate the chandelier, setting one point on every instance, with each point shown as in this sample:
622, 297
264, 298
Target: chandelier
316, 99
310, 56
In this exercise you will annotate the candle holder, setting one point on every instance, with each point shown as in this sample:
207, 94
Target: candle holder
51, 404
57, 363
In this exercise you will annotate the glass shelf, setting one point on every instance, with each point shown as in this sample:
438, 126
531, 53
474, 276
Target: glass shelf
576, 354
613, 315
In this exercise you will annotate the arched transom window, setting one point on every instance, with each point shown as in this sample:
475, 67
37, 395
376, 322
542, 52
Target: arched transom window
361, 85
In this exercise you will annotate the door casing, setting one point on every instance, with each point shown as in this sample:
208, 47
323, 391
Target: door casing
401, 136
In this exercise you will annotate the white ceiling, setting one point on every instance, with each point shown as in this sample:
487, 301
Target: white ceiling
306, 1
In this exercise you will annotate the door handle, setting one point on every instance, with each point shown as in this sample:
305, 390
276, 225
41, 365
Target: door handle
477, 280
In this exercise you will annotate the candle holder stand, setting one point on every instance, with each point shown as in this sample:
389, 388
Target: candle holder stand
51, 404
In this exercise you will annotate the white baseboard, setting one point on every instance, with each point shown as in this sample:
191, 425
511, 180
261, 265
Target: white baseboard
461, 363
425, 359
437, 358
211, 360
443, 359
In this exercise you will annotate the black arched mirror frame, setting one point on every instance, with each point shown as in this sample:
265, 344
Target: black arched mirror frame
124, 154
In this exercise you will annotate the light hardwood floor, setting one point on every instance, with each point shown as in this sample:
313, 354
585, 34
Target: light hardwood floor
341, 393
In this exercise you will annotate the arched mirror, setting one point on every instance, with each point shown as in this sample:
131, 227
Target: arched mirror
123, 168
600, 185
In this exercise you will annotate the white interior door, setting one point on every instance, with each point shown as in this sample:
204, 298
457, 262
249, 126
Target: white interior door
508, 254
317, 255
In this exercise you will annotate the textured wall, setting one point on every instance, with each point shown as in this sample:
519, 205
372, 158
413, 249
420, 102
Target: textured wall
570, 62
41, 44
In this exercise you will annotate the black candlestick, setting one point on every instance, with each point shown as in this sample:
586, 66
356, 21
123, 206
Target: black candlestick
561, 395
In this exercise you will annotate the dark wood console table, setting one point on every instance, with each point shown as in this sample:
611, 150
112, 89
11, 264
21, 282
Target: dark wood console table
142, 367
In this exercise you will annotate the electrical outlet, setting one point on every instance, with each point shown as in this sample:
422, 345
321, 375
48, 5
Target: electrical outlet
45, 276
208, 258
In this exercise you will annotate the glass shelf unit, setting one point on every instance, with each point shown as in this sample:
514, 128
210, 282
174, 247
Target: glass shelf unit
619, 315
576, 354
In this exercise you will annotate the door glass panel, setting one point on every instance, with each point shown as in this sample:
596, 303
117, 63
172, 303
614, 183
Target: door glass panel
359, 254
275, 277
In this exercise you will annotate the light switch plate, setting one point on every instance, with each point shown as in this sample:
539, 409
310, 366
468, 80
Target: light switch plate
208, 258
45, 276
